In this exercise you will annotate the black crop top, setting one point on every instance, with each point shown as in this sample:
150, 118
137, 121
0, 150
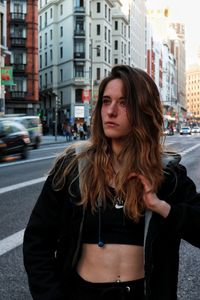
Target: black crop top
111, 226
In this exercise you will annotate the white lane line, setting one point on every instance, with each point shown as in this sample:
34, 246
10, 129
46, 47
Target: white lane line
11, 242
21, 185
26, 161
184, 152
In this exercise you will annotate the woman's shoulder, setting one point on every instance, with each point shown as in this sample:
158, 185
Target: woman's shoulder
170, 159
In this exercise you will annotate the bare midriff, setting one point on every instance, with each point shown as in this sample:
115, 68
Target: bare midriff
113, 262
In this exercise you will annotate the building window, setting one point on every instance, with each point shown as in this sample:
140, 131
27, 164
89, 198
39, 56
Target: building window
116, 61
61, 9
108, 35
79, 71
116, 44
61, 31
45, 58
98, 29
105, 33
51, 76
116, 25
98, 73
79, 25
51, 13
79, 48
40, 81
45, 19
98, 7
61, 74
98, 50
45, 79
40, 41
45, 38
109, 14
61, 52
78, 95
51, 54
51, 34
40, 61
40, 25
105, 53
106, 11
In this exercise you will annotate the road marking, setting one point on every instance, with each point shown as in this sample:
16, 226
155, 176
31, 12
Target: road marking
184, 152
26, 161
21, 185
11, 242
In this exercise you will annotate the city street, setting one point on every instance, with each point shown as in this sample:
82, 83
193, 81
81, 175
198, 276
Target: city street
20, 184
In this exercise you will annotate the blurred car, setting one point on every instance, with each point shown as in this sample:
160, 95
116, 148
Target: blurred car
14, 139
33, 126
185, 130
196, 129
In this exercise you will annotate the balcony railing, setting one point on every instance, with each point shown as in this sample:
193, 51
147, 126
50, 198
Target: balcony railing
21, 42
79, 32
79, 54
18, 95
79, 9
19, 67
18, 16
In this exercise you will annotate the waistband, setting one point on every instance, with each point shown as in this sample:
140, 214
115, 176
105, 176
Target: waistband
138, 283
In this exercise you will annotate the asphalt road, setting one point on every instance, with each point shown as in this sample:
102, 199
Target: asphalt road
20, 185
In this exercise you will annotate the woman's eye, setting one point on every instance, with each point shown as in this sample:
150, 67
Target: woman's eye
106, 101
123, 103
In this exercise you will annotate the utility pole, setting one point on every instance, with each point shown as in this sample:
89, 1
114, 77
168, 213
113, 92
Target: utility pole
91, 79
56, 115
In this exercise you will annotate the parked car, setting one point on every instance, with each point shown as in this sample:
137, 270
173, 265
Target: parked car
33, 126
196, 129
14, 139
185, 130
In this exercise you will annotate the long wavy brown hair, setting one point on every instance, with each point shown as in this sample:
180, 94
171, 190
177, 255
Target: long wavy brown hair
141, 151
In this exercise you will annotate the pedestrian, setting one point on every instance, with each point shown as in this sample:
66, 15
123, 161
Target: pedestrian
113, 210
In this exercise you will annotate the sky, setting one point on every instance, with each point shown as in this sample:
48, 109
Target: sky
188, 12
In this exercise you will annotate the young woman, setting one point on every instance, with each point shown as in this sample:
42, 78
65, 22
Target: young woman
112, 212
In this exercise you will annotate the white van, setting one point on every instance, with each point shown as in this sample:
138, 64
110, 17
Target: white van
33, 126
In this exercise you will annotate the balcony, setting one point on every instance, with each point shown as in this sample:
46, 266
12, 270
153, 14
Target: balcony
18, 17
80, 55
78, 32
18, 42
79, 9
18, 95
18, 67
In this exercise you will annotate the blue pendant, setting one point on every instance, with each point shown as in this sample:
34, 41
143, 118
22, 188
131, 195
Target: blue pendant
100, 244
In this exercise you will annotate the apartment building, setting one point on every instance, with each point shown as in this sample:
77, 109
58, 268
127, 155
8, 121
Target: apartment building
193, 91
75, 53
120, 35
22, 40
138, 33
3, 51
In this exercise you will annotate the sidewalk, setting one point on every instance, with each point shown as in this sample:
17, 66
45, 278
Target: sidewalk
51, 139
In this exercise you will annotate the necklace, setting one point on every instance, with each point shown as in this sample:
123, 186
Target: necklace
118, 202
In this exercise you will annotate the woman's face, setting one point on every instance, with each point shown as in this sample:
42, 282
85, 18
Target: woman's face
114, 115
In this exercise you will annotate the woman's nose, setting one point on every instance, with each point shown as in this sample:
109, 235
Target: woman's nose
112, 110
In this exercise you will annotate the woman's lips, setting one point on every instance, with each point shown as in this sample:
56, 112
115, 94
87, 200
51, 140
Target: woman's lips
111, 124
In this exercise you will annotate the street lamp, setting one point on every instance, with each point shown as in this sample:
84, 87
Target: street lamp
56, 114
91, 79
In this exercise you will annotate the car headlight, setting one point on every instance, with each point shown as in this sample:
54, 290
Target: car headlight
2, 144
